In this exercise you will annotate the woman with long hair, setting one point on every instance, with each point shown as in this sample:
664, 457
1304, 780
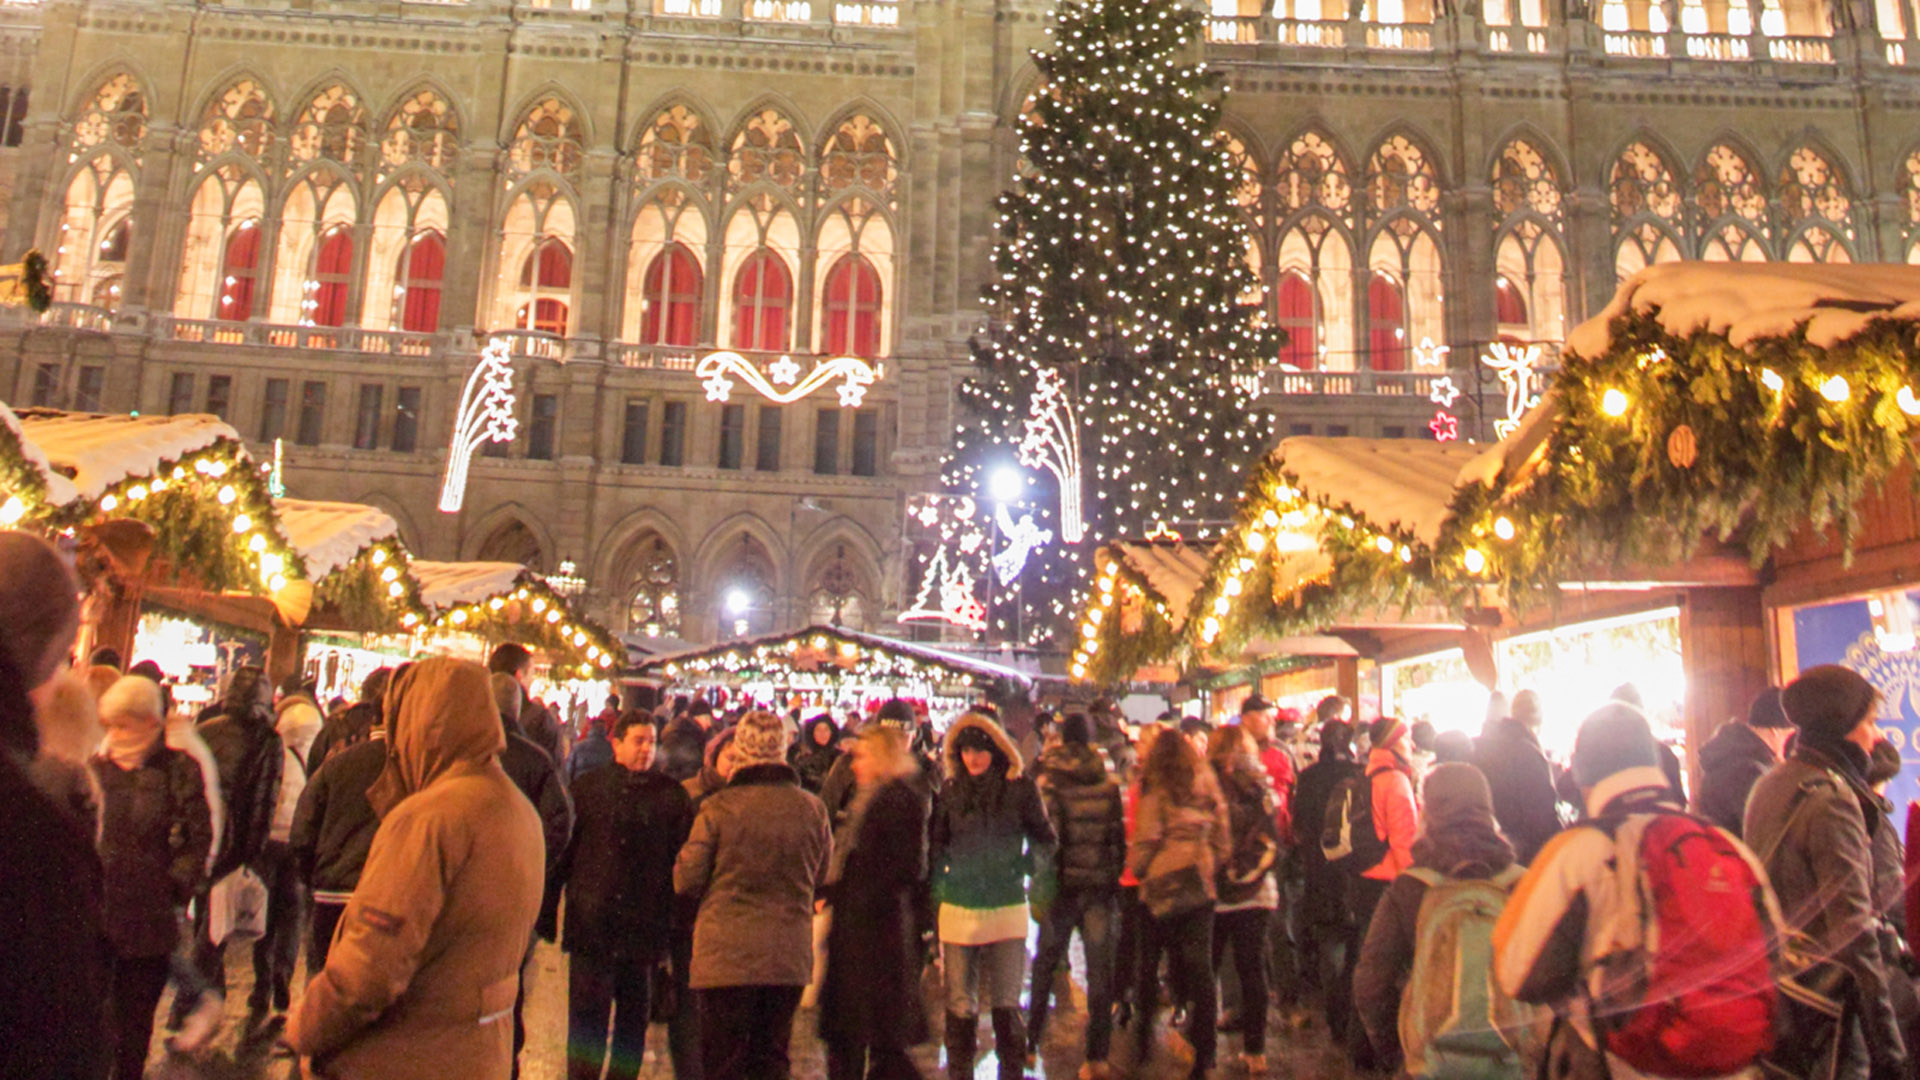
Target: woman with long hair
1248, 894
871, 1005
1181, 837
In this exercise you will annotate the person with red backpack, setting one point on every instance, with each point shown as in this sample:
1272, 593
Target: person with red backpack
1652, 934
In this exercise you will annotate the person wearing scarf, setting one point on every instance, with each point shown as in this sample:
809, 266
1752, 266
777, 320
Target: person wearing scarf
1460, 839
155, 834
1811, 819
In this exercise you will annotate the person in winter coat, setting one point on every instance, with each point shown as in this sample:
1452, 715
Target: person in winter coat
1811, 819
838, 789
683, 743
816, 752
756, 855
618, 873
66, 712
1521, 779
535, 721
1562, 916
54, 979
1326, 916
1396, 821
595, 747
240, 733
989, 832
422, 976
1182, 836
1459, 839
871, 1007
153, 846
1248, 893
353, 725
1083, 803
333, 829
297, 721
1737, 756
1272, 745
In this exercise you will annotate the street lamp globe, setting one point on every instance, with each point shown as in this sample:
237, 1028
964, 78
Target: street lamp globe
1007, 484
738, 601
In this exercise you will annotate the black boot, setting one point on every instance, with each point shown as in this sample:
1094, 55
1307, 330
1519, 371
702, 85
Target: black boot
1010, 1043
963, 1038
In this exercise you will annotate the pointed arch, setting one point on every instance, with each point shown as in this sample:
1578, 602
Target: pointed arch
1729, 185
488, 541
1530, 267
550, 132
223, 261
1317, 251
1403, 169
675, 140
1645, 181
96, 228
665, 301
857, 153
856, 264
406, 252
421, 128
765, 147
1243, 150
313, 263
1404, 298
1814, 184
238, 116
541, 211
1314, 170
1529, 175
114, 112
716, 547
622, 536
329, 122
841, 574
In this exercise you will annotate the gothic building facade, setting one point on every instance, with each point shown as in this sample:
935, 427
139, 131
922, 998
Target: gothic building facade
308, 216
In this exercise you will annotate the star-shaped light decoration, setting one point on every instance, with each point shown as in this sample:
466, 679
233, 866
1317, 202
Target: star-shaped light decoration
1429, 355
719, 387
1445, 427
784, 371
1443, 393
852, 394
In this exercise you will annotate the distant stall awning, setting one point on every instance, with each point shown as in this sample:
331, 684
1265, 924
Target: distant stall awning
449, 584
329, 535
827, 651
507, 601
98, 451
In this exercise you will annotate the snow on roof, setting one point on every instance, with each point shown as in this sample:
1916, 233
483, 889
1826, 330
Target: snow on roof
1750, 301
60, 490
972, 666
327, 535
99, 451
446, 584
1172, 570
1393, 483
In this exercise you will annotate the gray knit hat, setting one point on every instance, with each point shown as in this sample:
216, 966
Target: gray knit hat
759, 739
1828, 700
1613, 739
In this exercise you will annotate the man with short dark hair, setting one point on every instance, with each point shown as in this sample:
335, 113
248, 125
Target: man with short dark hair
618, 874
683, 745
535, 721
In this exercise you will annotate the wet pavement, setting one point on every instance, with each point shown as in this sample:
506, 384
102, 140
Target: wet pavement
1297, 1045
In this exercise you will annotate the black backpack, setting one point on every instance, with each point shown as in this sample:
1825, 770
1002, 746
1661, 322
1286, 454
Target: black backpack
1347, 837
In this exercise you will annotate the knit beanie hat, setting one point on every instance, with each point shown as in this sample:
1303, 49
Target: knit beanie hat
1076, 730
1385, 731
1455, 795
1828, 701
1613, 739
759, 739
1766, 710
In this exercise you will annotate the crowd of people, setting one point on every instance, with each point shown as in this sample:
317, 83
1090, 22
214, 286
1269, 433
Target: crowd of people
1447, 906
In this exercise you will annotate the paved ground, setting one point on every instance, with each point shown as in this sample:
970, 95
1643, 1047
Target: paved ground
1297, 1047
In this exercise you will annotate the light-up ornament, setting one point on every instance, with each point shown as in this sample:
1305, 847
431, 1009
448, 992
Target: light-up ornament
485, 415
718, 370
1427, 354
946, 595
1052, 442
1614, 402
1907, 402
1023, 538
1836, 390
1445, 427
1442, 392
1514, 365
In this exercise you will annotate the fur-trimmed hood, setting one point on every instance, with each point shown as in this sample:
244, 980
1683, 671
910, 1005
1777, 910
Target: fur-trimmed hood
950, 753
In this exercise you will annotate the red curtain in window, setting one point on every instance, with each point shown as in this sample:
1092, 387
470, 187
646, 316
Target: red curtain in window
556, 266
240, 265
1387, 323
332, 270
548, 269
670, 298
853, 308
762, 292
1509, 306
425, 270
1302, 349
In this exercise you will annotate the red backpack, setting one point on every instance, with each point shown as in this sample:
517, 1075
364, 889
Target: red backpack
1689, 990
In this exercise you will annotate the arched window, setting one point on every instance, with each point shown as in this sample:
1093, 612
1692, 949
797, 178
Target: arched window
1509, 306
422, 270
1811, 186
762, 297
546, 280
655, 605
859, 153
241, 267
1387, 323
675, 144
670, 295
767, 149
93, 229
332, 126
852, 308
332, 274
1728, 189
1530, 284
1300, 319
549, 137
423, 129
115, 113
241, 118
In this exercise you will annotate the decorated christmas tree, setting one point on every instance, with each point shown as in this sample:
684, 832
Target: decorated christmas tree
1123, 305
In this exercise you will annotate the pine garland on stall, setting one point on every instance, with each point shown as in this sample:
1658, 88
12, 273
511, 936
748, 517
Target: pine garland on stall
1121, 264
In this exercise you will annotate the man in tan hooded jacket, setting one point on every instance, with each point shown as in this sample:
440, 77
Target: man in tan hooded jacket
421, 978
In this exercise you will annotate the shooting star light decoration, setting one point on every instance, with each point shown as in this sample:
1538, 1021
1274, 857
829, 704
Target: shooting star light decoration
486, 415
1052, 442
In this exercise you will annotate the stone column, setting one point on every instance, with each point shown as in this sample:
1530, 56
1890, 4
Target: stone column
470, 252
592, 261
160, 213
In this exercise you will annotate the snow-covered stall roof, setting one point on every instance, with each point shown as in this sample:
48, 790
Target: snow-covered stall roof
1173, 570
793, 650
1750, 301
98, 451
60, 490
327, 535
1405, 484
447, 584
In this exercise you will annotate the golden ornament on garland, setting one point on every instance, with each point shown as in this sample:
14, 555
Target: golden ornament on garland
1682, 448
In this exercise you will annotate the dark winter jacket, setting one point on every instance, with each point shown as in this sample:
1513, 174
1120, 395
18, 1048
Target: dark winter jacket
250, 758
535, 774
1324, 901
754, 859
1083, 803
1808, 821
53, 950
987, 835
538, 724
1245, 879
872, 993
683, 746
618, 867
1730, 764
838, 788
1509, 756
352, 726
155, 833
589, 754
334, 824
813, 761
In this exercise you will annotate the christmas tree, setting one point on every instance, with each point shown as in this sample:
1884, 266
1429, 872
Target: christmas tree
1121, 269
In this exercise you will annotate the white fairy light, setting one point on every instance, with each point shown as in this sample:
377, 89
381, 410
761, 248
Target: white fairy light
1514, 365
718, 370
